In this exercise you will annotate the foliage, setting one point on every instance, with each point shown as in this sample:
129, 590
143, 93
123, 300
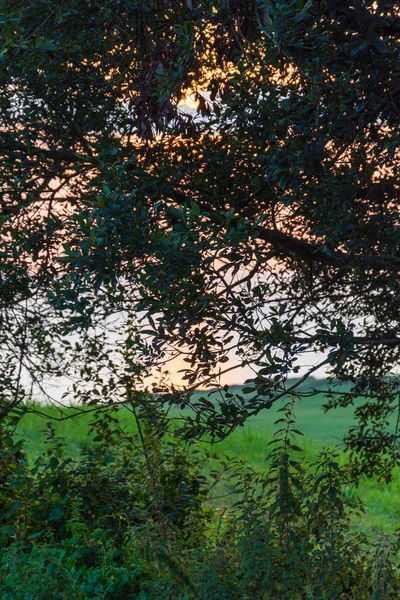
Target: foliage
129, 519
77, 528
262, 224
382, 501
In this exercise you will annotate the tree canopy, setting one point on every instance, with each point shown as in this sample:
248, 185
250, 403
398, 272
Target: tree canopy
264, 222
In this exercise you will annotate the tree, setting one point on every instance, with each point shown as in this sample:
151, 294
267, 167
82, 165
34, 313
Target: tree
265, 223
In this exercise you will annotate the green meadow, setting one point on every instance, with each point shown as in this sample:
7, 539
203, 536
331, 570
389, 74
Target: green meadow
250, 443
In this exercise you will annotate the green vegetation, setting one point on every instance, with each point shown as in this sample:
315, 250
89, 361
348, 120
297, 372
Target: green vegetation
131, 518
258, 231
250, 443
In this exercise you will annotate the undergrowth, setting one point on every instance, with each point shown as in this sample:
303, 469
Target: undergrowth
130, 519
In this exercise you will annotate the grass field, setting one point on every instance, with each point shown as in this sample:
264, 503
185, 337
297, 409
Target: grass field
250, 444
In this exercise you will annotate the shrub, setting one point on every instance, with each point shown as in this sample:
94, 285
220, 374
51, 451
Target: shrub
129, 520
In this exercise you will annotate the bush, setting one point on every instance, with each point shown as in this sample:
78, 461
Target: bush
130, 520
